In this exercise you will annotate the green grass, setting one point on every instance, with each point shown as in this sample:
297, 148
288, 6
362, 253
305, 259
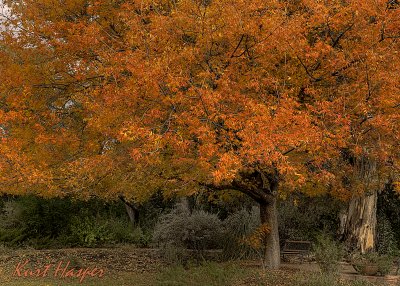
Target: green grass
127, 266
210, 274
318, 279
122, 279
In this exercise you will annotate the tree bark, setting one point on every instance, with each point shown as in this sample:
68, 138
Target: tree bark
133, 214
183, 202
359, 223
132, 211
269, 216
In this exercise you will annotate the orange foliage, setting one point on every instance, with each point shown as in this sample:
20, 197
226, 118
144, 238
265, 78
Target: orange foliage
195, 92
257, 239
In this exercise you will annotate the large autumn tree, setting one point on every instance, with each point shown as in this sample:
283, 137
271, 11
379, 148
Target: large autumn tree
261, 97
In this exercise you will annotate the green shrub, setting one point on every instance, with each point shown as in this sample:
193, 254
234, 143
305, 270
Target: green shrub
238, 226
328, 253
60, 222
197, 230
11, 216
302, 218
383, 263
386, 237
89, 231
141, 238
388, 230
43, 217
120, 229
13, 229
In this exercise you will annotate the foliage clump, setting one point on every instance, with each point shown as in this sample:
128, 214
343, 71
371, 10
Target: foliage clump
197, 230
328, 253
372, 263
238, 226
386, 237
61, 222
302, 218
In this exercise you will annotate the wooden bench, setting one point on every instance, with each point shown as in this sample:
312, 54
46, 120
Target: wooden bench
296, 248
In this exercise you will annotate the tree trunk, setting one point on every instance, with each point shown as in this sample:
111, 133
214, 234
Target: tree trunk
359, 223
183, 203
269, 216
132, 211
133, 214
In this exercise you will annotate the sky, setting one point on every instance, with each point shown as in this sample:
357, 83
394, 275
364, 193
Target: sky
3, 10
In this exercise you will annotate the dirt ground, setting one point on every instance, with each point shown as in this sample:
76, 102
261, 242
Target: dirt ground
126, 259
133, 263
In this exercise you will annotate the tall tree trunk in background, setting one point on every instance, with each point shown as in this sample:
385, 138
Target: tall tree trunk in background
359, 223
183, 202
132, 211
269, 216
133, 214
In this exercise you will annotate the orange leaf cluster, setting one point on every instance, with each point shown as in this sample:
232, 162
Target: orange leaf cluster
96, 92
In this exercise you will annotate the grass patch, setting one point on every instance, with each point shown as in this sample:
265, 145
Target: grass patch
208, 274
121, 279
142, 267
211, 274
325, 279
